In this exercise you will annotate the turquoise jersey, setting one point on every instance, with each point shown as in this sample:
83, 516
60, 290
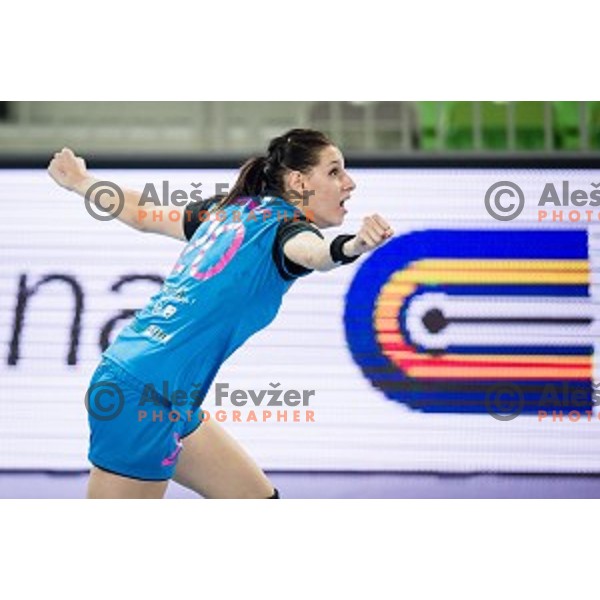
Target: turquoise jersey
224, 288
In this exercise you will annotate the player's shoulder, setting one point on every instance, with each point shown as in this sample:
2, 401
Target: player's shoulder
193, 214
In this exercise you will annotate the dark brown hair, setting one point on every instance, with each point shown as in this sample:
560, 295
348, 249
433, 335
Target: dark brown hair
296, 150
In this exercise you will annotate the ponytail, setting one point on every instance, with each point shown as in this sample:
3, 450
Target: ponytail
250, 181
297, 150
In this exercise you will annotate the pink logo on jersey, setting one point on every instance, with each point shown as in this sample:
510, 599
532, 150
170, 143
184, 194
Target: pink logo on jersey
204, 243
170, 460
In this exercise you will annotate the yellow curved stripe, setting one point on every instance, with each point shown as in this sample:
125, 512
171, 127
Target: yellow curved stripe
438, 271
582, 361
500, 264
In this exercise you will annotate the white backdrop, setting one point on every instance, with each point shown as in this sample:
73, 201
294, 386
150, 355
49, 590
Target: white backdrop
46, 231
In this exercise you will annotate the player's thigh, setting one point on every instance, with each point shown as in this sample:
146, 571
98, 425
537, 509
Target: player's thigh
214, 465
103, 484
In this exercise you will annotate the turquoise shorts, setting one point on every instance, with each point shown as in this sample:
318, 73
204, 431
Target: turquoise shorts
129, 435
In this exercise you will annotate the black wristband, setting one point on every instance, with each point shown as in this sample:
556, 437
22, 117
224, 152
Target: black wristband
335, 250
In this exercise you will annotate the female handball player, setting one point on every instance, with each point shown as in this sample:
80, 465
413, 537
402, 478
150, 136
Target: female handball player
243, 252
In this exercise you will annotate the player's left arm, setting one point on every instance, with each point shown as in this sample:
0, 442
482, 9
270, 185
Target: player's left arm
70, 172
315, 253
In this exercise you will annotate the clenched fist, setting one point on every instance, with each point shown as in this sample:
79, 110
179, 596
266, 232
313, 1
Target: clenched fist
67, 169
374, 232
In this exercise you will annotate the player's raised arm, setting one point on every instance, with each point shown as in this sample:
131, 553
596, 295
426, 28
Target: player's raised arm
312, 252
70, 172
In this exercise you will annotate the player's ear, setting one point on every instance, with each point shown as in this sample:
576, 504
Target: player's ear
295, 181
